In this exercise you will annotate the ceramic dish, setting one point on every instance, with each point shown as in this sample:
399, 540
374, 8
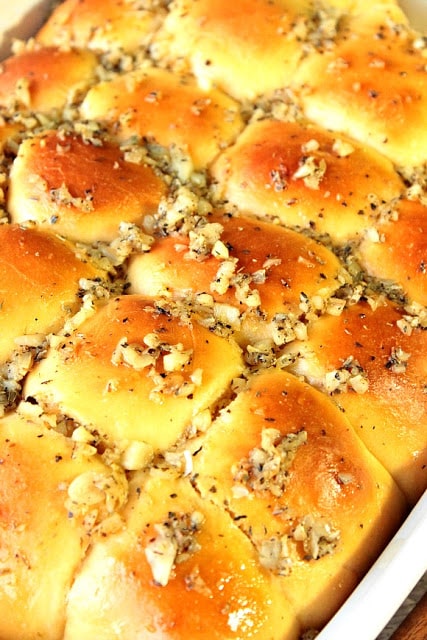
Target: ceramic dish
404, 561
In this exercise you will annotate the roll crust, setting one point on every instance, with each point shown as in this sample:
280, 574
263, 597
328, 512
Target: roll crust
40, 283
46, 78
79, 188
306, 176
167, 109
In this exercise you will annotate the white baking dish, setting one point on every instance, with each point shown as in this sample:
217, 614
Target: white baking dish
404, 561
386, 585
20, 19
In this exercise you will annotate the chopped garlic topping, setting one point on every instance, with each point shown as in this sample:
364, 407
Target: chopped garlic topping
174, 542
319, 538
342, 148
106, 491
62, 195
350, 375
311, 170
273, 554
267, 467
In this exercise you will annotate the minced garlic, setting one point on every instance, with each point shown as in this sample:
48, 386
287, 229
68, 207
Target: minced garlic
273, 554
311, 170
350, 376
174, 542
267, 467
319, 538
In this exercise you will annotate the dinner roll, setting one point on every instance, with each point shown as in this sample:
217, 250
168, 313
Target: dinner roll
45, 78
315, 503
243, 56
181, 568
52, 495
372, 85
397, 251
371, 360
306, 176
242, 273
166, 109
80, 188
108, 26
40, 285
148, 373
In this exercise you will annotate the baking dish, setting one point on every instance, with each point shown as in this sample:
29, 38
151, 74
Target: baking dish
405, 559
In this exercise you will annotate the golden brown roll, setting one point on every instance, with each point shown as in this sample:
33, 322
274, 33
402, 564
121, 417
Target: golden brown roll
397, 251
40, 284
372, 361
110, 26
45, 78
298, 481
306, 176
79, 188
245, 47
240, 272
372, 85
52, 495
173, 111
147, 373
180, 569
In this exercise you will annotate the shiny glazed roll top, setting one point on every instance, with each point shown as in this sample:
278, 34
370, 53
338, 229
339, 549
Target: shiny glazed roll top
148, 374
299, 482
179, 568
80, 187
241, 274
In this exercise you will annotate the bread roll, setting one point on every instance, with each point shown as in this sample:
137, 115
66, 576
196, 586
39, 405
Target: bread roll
169, 110
371, 360
298, 481
45, 78
40, 286
212, 314
307, 176
181, 568
147, 373
245, 57
243, 273
79, 188
398, 250
50, 502
371, 87
108, 27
